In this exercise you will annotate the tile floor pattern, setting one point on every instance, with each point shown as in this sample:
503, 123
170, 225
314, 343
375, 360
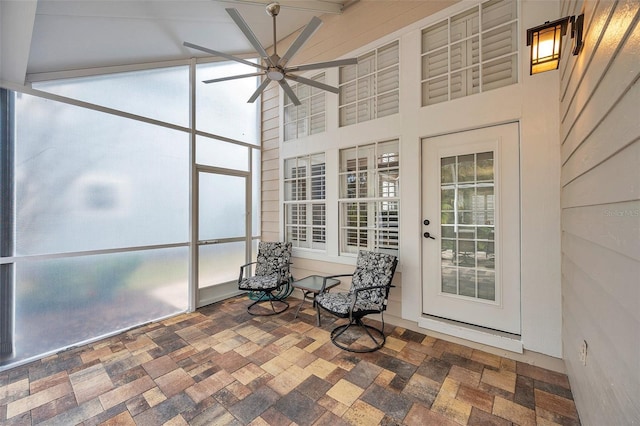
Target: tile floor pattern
220, 365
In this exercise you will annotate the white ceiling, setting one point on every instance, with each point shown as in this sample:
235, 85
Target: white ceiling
79, 34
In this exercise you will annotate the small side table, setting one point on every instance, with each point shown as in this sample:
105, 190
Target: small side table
313, 285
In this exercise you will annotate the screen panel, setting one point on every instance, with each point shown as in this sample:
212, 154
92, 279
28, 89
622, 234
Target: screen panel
86, 180
161, 94
62, 302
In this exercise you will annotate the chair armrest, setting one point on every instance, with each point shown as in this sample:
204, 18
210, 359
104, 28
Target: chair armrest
324, 280
242, 268
358, 290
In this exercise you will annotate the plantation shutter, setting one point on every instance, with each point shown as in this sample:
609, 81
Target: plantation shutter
471, 52
388, 99
308, 118
499, 44
435, 64
371, 89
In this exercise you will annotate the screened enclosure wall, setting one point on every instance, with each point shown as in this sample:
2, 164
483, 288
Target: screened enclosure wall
96, 200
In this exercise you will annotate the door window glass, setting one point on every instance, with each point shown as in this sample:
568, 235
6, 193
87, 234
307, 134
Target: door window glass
467, 208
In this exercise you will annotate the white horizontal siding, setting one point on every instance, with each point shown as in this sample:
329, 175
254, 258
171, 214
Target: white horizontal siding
270, 217
600, 131
588, 190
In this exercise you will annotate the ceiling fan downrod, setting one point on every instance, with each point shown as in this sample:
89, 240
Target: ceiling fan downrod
274, 72
273, 9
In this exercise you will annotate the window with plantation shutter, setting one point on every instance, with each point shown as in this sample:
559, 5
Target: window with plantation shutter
305, 205
371, 88
308, 118
370, 198
471, 52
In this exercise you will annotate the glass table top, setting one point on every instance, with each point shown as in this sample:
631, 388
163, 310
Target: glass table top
314, 283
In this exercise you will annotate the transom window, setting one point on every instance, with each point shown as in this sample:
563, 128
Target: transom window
305, 206
370, 89
308, 118
471, 52
369, 198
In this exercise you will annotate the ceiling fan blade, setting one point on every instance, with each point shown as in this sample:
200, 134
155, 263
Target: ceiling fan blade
233, 77
259, 90
320, 65
237, 18
223, 55
289, 92
313, 83
304, 36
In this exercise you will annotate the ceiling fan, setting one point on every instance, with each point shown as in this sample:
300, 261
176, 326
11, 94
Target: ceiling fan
275, 68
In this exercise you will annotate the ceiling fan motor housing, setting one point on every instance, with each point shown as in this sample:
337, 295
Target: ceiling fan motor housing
275, 73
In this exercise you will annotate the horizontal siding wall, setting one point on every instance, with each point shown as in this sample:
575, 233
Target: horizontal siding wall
270, 224
600, 134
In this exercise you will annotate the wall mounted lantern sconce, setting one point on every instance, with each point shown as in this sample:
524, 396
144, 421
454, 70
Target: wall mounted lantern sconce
546, 42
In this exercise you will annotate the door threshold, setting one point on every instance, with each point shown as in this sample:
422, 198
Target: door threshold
485, 336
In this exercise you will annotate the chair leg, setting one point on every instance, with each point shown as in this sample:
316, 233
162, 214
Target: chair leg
266, 296
357, 322
318, 314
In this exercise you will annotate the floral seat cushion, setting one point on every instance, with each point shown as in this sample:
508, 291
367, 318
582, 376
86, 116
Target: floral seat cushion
257, 283
340, 303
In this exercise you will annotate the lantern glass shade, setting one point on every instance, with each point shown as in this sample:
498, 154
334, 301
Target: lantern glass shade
546, 45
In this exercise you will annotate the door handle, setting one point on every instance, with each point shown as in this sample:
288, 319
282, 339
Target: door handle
428, 235
207, 242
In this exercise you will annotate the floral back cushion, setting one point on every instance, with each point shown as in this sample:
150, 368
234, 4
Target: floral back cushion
272, 257
373, 269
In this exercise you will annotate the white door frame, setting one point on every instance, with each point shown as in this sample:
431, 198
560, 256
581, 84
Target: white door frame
445, 311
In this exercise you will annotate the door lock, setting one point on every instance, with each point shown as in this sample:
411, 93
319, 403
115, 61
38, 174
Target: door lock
426, 222
428, 235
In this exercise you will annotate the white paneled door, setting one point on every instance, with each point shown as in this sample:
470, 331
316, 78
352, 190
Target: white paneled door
471, 227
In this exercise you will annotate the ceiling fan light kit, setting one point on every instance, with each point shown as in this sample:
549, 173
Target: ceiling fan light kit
276, 68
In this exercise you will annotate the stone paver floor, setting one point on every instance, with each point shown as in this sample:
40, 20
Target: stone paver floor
220, 365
